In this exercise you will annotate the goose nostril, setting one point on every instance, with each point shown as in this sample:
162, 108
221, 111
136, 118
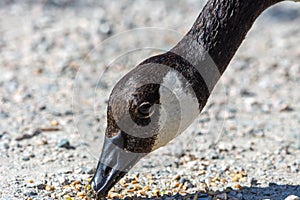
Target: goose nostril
107, 171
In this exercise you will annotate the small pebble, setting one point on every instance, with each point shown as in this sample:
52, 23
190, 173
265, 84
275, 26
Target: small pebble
26, 158
64, 143
54, 123
31, 193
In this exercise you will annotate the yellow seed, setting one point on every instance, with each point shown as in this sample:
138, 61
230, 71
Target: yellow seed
123, 183
180, 185
137, 187
80, 194
176, 177
176, 184
223, 180
202, 172
146, 188
66, 186
113, 195
75, 182
134, 181
131, 190
237, 186
175, 191
239, 176
54, 123
149, 176
49, 188
87, 187
142, 192
30, 181
206, 163
77, 187
216, 178
235, 179
155, 192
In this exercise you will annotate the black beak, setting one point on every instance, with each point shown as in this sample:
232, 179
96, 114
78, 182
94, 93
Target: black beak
114, 163
104, 179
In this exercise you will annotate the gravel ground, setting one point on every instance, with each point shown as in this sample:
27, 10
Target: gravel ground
60, 58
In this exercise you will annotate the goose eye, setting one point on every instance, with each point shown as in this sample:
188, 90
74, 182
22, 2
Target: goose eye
145, 110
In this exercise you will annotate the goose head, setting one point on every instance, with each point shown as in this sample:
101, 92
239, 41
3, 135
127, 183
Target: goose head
147, 108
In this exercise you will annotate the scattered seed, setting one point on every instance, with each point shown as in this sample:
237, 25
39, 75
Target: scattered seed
155, 192
176, 177
237, 186
54, 123
49, 188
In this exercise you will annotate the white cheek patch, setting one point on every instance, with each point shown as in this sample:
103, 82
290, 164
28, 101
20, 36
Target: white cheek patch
179, 107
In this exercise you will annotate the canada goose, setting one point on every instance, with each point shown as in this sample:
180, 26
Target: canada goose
161, 97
